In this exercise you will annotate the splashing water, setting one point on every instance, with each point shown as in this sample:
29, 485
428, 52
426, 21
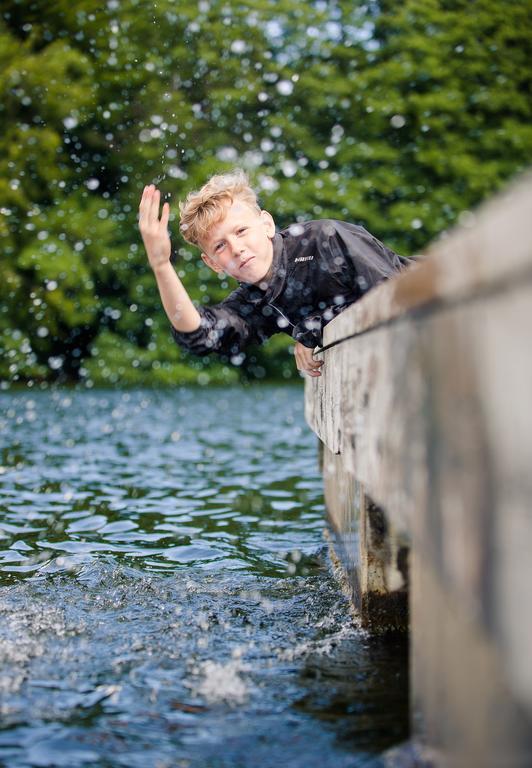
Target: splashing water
167, 598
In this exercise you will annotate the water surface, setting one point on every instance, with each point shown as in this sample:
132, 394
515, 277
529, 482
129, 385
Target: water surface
167, 598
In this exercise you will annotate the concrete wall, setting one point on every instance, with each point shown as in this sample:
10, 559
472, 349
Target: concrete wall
425, 411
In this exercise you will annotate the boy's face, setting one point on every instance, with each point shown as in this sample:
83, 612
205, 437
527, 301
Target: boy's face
240, 244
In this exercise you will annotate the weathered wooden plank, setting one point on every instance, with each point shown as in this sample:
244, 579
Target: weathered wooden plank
425, 409
437, 422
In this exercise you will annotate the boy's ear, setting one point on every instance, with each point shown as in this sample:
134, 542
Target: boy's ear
211, 263
267, 218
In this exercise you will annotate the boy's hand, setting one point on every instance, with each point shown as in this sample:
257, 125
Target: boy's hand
305, 361
154, 231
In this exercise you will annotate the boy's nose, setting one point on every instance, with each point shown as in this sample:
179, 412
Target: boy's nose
236, 247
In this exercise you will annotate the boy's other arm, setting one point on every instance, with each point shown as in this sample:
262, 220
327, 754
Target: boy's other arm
176, 302
305, 360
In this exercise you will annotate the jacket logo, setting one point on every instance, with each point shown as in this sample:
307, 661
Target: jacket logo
303, 258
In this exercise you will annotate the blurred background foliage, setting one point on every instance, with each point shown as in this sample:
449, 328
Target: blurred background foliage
398, 116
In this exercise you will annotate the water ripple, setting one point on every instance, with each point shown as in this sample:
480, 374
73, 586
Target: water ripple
164, 592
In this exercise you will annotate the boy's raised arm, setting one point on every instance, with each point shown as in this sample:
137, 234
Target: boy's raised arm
176, 302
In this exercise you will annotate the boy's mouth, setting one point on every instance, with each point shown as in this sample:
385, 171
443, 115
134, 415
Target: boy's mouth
246, 262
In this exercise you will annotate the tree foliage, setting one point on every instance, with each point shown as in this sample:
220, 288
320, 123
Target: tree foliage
396, 116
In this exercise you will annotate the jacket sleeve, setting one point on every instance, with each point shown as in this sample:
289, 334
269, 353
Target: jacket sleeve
309, 331
226, 328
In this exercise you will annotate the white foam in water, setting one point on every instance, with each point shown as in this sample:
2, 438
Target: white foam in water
222, 682
10, 683
326, 646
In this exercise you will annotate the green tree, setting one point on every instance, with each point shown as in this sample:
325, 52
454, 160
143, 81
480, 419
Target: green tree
154, 93
427, 112
395, 116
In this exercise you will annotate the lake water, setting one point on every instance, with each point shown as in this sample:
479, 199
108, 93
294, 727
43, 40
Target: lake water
167, 598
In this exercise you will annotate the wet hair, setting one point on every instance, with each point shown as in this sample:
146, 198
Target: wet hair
205, 207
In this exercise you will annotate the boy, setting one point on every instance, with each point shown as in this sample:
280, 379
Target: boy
294, 281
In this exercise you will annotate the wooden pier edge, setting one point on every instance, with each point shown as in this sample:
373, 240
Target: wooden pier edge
424, 410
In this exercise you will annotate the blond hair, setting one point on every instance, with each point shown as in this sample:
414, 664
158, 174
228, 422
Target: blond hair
206, 206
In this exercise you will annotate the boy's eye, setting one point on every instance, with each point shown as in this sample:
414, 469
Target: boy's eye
218, 246
241, 229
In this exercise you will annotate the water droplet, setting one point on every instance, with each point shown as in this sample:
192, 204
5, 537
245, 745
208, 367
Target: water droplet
285, 87
289, 168
397, 121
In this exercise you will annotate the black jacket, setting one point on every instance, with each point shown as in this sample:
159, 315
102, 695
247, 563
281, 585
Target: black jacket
319, 268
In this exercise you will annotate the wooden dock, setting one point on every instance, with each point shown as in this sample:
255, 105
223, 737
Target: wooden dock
424, 413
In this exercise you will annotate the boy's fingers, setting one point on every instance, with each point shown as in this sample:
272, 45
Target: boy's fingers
154, 207
311, 372
165, 215
305, 360
145, 203
145, 193
309, 360
143, 200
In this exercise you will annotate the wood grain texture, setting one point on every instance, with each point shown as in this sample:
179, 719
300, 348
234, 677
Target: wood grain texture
425, 400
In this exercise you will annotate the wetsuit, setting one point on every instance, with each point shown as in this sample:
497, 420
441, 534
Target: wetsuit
318, 269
